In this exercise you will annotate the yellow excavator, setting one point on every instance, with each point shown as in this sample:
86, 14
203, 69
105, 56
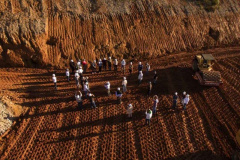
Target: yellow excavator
202, 65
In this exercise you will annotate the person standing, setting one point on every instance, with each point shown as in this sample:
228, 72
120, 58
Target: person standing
109, 63
86, 89
140, 66
130, 68
92, 100
115, 63
77, 78
100, 65
123, 64
140, 77
72, 65
124, 84
119, 96
79, 63
148, 116
104, 64
155, 77
155, 103
78, 97
175, 98
186, 101
149, 88
107, 86
84, 63
94, 66
54, 78
129, 110
68, 75
147, 67
80, 71
183, 96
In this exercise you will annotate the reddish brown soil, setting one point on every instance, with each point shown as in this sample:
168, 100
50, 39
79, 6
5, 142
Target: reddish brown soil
54, 127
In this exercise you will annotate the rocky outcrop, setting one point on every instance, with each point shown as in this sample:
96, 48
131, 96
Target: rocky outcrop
39, 33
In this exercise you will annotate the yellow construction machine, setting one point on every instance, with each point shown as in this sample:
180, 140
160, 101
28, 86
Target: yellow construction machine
202, 65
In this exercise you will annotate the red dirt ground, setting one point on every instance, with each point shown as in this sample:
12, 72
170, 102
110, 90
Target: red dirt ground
54, 128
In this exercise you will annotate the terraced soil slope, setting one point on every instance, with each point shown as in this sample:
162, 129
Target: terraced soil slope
40, 33
54, 128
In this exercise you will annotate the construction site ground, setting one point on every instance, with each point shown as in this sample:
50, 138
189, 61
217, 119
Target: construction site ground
54, 128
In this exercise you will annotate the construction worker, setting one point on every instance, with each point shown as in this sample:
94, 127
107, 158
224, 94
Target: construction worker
124, 84
86, 89
94, 66
72, 65
147, 68
119, 96
84, 63
100, 65
68, 75
183, 96
54, 78
155, 77
123, 64
115, 63
104, 64
92, 100
107, 86
129, 110
186, 101
175, 98
78, 97
80, 71
148, 116
109, 63
79, 63
149, 88
77, 77
155, 103
140, 77
130, 68
140, 66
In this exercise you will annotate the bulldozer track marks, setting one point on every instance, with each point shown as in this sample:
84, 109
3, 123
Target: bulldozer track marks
54, 128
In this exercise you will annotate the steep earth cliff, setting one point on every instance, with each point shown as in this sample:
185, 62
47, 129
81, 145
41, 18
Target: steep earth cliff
49, 33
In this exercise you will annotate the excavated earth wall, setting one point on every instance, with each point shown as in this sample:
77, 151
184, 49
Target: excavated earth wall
50, 33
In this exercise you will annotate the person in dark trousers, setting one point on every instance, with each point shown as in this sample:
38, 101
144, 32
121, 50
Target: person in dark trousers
140, 66
68, 75
77, 78
130, 68
100, 63
175, 98
82, 81
147, 68
107, 86
104, 64
86, 89
148, 116
54, 78
84, 64
119, 96
123, 64
73, 66
185, 101
140, 77
94, 67
78, 97
115, 63
183, 96
155, 77
92, 100
155, 103
109, 63
149, 88
79, 63
124, 84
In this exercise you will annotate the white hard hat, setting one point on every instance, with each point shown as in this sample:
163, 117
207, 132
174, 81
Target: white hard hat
184, 93
124, 78
140, 62
76, 71
90, 94
53, 75
104, 58
109, 57
175, 93
100, 60
115, 59
71, 60
118, 88
140, 72
187, 95
86, 83
108, 82
67, 69
130, 62
80, 67
78, 96
94, 60
155, 72
130, 105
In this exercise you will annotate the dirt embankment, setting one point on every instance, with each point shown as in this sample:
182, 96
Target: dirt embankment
38, 33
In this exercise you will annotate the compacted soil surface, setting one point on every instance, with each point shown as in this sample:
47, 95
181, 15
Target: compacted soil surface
54, 128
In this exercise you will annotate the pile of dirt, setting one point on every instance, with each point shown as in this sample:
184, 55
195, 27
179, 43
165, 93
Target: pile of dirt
41, 33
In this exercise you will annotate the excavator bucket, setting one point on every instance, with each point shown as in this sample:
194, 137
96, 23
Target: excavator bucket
209, 78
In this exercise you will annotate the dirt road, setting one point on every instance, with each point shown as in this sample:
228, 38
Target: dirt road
55, 128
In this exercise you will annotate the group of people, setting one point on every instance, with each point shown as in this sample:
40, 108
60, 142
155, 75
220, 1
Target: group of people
81, 67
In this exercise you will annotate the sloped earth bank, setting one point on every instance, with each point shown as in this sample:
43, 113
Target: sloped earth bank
39, 33
54, 128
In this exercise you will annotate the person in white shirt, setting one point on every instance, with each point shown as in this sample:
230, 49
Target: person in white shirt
140, 77
54, 78
186, 101
79, 64
77, 77
68, 75
80, 70
130, 68
78, 97
86, 89
115, 63
119, 96
147, 68
148, 116
155, 103
129, 110
124, 84
123, 64
183, 96
107, 86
